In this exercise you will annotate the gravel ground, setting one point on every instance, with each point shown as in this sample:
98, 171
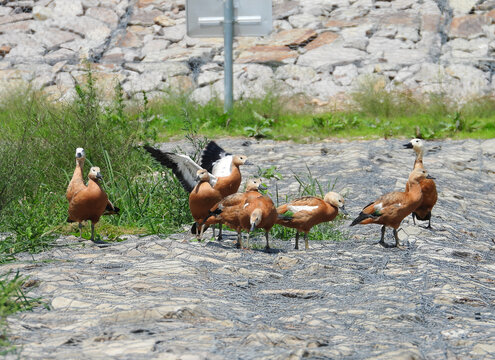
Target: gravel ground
162, 298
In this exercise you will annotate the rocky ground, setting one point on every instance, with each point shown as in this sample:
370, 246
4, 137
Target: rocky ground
319, 48
162, 298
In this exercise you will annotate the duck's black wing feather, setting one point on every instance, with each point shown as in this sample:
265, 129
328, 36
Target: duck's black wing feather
182, 166
211, 154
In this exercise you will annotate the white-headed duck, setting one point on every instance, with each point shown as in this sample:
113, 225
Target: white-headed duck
390, 209
77, 181
428, 186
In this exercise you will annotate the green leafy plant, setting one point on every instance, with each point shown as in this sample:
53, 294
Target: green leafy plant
269, 173
262, 127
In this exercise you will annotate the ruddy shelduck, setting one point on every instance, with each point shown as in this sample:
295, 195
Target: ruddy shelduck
304, 213
390, 209
228, 211
223, 168
77, 181
89, 203
201, 199
258, 213
428, 187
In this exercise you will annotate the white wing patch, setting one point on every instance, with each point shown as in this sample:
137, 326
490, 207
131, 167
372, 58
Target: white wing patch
295, 209
223, 166
378, 206
188, 168
246, 205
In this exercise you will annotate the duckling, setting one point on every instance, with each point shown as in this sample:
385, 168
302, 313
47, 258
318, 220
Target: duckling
77, 181
390, 209
428, 186
304, 213
201, 199
89, 203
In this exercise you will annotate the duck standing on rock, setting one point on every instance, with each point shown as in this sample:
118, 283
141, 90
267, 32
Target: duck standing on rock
428, 187
304, 213
228, 211
201, 199
89, 203
223, 168
390, 209
258, 213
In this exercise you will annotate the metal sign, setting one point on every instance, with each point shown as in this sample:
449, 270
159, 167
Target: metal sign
205, 18
228, 18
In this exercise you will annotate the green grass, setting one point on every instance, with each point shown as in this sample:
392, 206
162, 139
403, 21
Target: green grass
375, 113
38, 139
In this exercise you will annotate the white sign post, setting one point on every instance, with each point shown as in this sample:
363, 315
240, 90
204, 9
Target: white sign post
228, 18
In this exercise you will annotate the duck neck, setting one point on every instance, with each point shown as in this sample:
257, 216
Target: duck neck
415, 191
94, 184
233, 167
419, 157
78, 172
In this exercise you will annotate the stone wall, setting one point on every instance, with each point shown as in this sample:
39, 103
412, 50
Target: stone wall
321, 48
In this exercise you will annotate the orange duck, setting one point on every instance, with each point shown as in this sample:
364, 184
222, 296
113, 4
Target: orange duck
229, 209
304, 213
258, 213
390, 209
224, 166
77, 181
201, 199
89, 203
428, 187
223, 169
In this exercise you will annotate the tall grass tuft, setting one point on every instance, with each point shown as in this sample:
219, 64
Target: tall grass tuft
38, 141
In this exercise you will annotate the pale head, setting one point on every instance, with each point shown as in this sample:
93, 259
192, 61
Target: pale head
94, 174
335, 199
255, 218
416, 144
80, 154
240, 160
202, 175
255, 184
417, 175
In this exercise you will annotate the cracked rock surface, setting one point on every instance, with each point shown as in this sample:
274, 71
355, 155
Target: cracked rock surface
157, 297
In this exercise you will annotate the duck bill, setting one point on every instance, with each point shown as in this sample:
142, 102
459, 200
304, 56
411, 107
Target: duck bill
99, 176
430, 177
263, 187
343, 210
253, 226
408, 145
247, 162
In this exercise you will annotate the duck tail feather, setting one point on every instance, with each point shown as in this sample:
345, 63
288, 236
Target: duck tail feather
362, 216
